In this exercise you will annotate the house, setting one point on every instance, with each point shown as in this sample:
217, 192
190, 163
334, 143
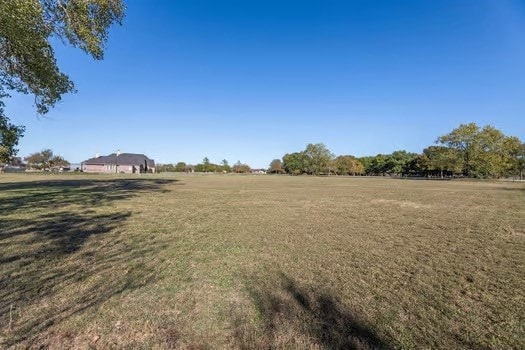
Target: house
129, 163
258, 171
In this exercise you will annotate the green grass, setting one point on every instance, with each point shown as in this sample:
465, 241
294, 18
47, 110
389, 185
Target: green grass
218, 261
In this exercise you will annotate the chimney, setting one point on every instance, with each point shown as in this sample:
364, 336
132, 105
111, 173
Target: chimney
97, 155
118, 152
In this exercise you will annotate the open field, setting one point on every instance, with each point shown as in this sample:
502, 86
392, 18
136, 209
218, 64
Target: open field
260, 262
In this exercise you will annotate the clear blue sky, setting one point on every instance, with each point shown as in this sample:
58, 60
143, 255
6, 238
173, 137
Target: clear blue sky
252, 80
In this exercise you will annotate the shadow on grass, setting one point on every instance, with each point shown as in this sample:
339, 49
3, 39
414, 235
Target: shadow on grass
298, 317
59, 260
29, 195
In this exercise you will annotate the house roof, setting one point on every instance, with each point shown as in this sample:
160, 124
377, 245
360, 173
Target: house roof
122, 159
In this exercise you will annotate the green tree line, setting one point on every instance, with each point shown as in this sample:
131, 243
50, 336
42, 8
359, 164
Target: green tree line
467, 151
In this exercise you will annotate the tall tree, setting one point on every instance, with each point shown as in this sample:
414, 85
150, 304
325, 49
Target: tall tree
180, 167
241, 168
348, 165
27, 59
495, 152
463, 139
46, 160
276, 167
319, 157
295, 163
443, 159
377, 165
225, 166
206, 164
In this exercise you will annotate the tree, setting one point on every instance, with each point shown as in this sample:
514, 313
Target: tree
485, 152
225, 166
240, 168
397, 162
462, 139
27, 59
295, 163
318, 158
348, 165
165, 168
58, 162
443, 159
418, 166
519, 161
494, 152
206, 164
9, 136
376, 165
46, 160
276, 167
180, 167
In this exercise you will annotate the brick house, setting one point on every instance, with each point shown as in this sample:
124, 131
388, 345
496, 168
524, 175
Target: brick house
129, 163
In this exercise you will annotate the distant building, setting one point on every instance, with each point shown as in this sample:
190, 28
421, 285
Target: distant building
258, 171
16, 165
129, 163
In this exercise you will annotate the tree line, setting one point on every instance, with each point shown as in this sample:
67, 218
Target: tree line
467, 151
205, 167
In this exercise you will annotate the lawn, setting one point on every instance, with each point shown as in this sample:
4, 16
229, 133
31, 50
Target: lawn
224, 261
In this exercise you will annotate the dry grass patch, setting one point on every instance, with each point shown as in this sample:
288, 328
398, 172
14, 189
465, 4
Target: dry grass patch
260, 262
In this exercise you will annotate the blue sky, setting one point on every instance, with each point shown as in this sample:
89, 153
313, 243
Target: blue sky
252, 80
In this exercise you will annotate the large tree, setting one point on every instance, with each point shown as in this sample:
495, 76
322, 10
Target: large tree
27, 59
276, 167
319, 157
348, 165
295, 163
46, 160
463, 140
241, 168
485, 152
443, 160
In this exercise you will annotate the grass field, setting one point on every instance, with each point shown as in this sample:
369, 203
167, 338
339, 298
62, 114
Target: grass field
248, 262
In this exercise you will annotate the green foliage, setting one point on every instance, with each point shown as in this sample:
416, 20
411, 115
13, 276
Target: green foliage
206, 165
240, 168
225, 167
348, 165
165, 168
483, 152
519, 161
376, 165
46, 160
9, 136
318, 158
315, 159
181, 167
443, 159
276, 167
295, 163
27, 59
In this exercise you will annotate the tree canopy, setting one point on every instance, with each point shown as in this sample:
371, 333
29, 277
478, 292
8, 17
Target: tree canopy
27, 58
46, 160
468, 150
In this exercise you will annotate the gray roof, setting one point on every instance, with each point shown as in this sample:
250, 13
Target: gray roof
122, 159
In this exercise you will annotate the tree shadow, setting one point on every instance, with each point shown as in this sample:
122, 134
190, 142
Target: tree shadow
298, 317
27, 195
60, 256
